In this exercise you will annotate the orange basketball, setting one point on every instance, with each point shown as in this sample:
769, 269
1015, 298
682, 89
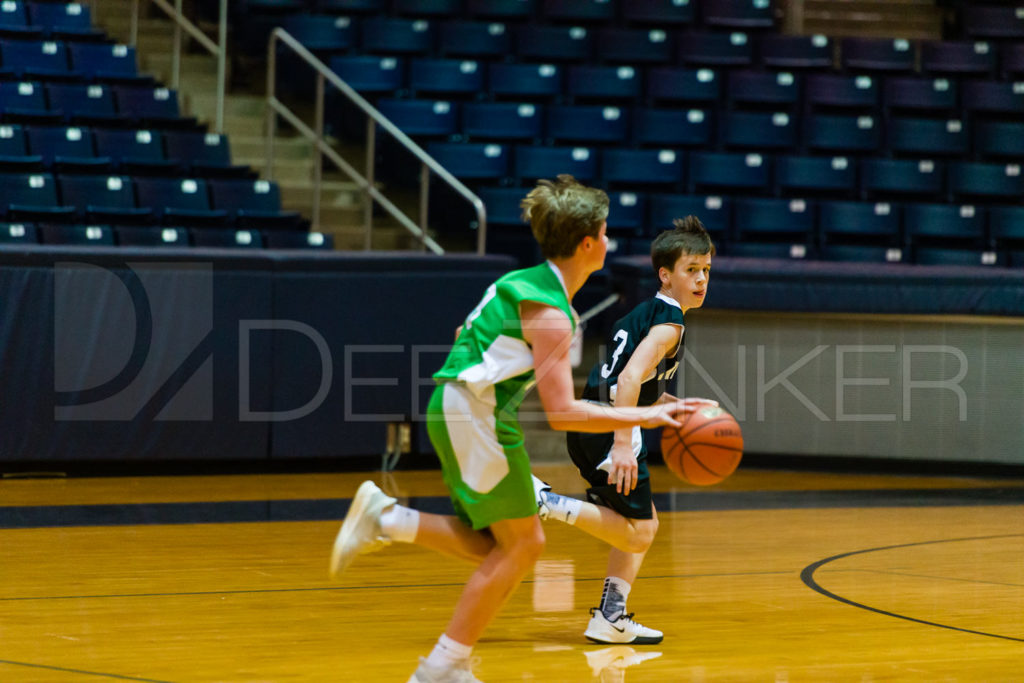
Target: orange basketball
705, 449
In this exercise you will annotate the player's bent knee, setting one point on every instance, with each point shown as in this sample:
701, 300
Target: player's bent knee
643, 536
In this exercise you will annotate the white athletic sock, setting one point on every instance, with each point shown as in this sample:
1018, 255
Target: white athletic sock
613, 599
400, 523
562, 508
447, 653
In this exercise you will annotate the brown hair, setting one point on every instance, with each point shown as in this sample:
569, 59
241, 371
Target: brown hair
688, 236
562, 213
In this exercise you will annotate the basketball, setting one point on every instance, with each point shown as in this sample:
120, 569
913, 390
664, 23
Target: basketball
705, 449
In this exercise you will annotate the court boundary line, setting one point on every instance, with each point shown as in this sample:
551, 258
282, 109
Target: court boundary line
807, 576
120, 677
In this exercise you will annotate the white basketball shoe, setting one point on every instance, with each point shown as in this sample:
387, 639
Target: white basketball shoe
360, 532
622, 631
431, 674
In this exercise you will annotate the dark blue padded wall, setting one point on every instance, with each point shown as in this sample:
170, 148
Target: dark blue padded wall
142, 354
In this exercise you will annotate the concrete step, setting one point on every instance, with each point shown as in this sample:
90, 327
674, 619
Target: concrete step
255, 146
334, 193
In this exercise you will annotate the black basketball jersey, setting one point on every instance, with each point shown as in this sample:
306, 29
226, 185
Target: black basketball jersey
627, 333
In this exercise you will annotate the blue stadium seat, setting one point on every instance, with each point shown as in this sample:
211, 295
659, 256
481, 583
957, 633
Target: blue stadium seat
645, 168
553, 43
674, 84
626, 213
391, 36
778, 51
179, 201
659, 13
602, 83
370, 74
744, 14
502, 204
152, 236
913, 94
25, 102
446, 77
992, 21
440, 9
1006, 227
758, 130
777, 90
900, 178
968, 180
959, 57
478, 161
1011, 61
634, 46
103, 199
28, 59
149, 106
18, 233
728, 171
672, 127
290, 239
421, 118
526, 81
31, 197
860, 231
587, 123
254, 204
108, 63
350, 7
323, 34
850, 134
66, 148
715, 49
999, 139
797, 176
474, 39
713, 211
84, 103
229, 239
947, 234
135, 151
578, 11
13, 145
202, 153
69, 20
14, 21
773, 227
825, 92
877, 55
514, 10
927, 137
995, 99
78, 235
533, 162
502, 120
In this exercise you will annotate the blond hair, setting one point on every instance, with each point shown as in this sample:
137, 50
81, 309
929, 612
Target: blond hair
561, 213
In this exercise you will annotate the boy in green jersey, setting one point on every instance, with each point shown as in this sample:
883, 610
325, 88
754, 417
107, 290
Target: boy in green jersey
518, 336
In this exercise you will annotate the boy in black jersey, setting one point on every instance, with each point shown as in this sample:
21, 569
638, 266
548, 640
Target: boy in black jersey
645, 349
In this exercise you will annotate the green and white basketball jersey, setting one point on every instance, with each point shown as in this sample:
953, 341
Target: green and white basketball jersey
490, 357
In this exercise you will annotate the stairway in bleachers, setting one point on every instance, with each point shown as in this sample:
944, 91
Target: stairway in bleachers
342, 204
920, 19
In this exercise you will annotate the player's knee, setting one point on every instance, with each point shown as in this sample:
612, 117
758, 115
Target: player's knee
642, 537
528, 546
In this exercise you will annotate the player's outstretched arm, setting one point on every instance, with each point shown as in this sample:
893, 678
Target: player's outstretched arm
549, 334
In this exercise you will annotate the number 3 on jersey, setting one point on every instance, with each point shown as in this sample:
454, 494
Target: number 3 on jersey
621, 336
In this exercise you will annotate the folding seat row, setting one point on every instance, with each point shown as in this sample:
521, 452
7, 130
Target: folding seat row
139, 200
118, 105
69, 61
842, 230
103, 150
734, 172
933, 58
159, 236
993, 21
749, 14
71, 20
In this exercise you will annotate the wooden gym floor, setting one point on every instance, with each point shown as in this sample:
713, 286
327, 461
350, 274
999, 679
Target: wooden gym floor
771, 576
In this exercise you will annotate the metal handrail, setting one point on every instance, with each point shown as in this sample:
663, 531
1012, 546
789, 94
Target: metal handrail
218, 49
375, 119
